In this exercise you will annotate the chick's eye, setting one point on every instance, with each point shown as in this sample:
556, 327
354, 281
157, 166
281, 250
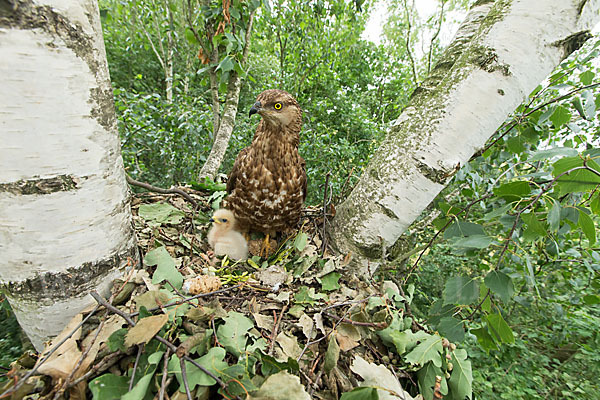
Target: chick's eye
277, 106
223, 219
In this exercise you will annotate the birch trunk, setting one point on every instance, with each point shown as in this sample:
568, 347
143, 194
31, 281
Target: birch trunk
226, 121
502, 51
65, 219
226, 124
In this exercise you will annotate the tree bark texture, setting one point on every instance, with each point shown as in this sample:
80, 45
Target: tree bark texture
65, 218
501, 52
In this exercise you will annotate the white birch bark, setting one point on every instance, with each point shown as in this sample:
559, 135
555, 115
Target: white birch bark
502, 51
65, 219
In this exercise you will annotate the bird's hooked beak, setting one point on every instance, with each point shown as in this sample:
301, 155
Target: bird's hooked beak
216, 221
255, 108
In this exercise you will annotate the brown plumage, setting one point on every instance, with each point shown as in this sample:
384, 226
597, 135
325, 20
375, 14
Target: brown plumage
267, 184
223, 237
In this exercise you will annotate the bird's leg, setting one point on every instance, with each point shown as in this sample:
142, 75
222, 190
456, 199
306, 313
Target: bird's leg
266, 246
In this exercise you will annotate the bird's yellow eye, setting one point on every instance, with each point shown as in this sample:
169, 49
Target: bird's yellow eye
277, 106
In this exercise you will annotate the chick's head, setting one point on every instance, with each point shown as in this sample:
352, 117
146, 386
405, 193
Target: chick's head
223, 220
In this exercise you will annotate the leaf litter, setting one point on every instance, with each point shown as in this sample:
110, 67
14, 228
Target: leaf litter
297, 325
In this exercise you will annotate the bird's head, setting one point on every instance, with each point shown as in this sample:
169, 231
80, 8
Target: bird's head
223, 219
278, 108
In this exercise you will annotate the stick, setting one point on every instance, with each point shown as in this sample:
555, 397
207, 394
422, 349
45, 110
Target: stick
184, 377
324, 243
151, 188
163, 382
135, 365
162, 340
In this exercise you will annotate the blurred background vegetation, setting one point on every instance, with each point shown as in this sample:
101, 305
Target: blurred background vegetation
351, 90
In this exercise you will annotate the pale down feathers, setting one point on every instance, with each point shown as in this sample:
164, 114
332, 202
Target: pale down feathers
224, 238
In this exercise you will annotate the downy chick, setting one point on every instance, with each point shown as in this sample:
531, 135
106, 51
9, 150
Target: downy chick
223, 237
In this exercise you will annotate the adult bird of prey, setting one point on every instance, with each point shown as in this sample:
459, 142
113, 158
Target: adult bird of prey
267, 184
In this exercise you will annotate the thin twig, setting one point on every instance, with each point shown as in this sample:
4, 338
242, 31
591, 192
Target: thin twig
163, 382
43, 360
184, 377
276, 328
151, 188
178, 302
135, 365
65, 385
171, 346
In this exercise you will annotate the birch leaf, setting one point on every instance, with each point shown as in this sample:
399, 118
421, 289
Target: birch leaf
428, 350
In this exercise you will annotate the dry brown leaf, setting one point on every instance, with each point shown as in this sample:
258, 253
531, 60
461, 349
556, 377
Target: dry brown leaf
289, 346
263, 321
145, 329
151, 299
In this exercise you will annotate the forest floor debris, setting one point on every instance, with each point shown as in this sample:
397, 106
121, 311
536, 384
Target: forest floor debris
297, 325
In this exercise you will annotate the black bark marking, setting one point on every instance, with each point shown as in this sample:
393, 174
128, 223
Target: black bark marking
60, 183
25, 15
74, 282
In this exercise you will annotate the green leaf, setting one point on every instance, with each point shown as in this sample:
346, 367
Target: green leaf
361, 393
109, 387
501, 284
116, 341
485, 340
532, 221
165, 267
138, 392
578, 180
306, 295
460, 290
212, 361
591, 299
461, 380
233, 334
553, 152
160, 213
513, 191
428, 350
554, 217
332, 355
330, 281
515, 145
497, 211
576, 102
452, 329
270, 365
426, 378
560, 116
472, 242
463, 229
587, 77
587, 226
500, 329
300, 241
226, 64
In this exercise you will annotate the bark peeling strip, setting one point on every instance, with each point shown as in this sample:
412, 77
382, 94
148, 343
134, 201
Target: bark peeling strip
25, 15
71, 283
60, 183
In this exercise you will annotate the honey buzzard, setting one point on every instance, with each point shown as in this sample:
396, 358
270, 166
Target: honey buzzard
267, 184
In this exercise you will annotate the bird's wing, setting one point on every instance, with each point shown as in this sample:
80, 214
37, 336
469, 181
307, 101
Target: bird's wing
303, 180
236, 170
